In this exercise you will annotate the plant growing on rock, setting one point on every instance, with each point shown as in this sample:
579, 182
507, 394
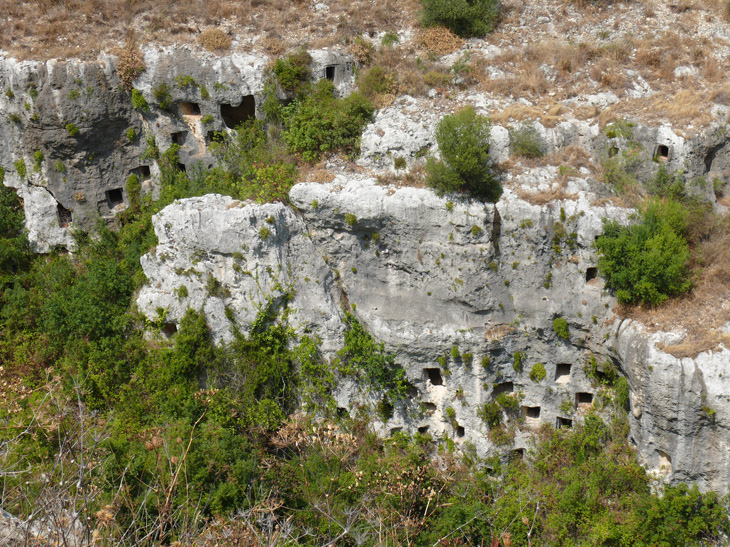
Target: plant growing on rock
526, 143
537, 373
560, 328
463, 17
139, 103
292, 72
463, 140
647, 261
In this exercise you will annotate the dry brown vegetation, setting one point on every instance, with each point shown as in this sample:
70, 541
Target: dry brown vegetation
81, 28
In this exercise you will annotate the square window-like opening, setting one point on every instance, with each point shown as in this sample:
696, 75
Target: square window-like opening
114, 197
189, 109
144, 170
517, 454
562, 373
428, 408
178, 137
591, 273
563, 422
532, 412
460, 432
504, 387
662, 152
434, 376
168, 329
64, 216
583, 398
329, 73
234, 116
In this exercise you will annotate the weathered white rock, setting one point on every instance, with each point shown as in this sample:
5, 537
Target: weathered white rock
231, 255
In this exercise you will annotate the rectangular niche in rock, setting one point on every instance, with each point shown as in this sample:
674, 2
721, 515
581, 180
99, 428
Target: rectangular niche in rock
144, 172
562, 373
168, 329
591, 273
178, 137
517, 454
189, 109
561, 422
434, 376
234, 116
114, 197
531, 412
504, 387
329, 72
583, 399
64, 216
428, 408
662, 153
460, 431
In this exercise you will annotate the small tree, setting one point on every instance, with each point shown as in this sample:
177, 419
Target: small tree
464, 142
463, 17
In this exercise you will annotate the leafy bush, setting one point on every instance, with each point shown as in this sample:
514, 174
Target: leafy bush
374, 81
139, 102
367, 360
526, 142
463, 139
667, 185
537, 373
292, 72
254, 165
463, 17
560, 328
20, 168
161, 93
72, 129
321, 123
647, 261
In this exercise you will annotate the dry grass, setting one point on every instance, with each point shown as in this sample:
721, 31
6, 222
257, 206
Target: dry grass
214, 39
130, 62
439, 40
415, 178
44, 29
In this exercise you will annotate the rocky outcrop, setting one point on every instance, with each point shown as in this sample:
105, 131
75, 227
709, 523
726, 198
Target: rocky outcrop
422, 273
71, 136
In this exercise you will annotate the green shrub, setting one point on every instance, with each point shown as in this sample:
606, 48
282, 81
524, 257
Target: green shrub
463, 139
207, 119
350, 219
20, 168
537, 373
491, 414
72, 129
321, 123
399, 163
292, 72
255, 166
647, 261
463, 17
667, 185
139, 103
517, 358
74, 94
134, 189
374, 81
368, 361
161, 93
13, 117
131, 134
37, 160
560, 328
185, 81
526, 142
389, 39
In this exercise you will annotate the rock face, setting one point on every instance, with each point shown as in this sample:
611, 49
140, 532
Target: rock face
464, 293
71, 137
422, 273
